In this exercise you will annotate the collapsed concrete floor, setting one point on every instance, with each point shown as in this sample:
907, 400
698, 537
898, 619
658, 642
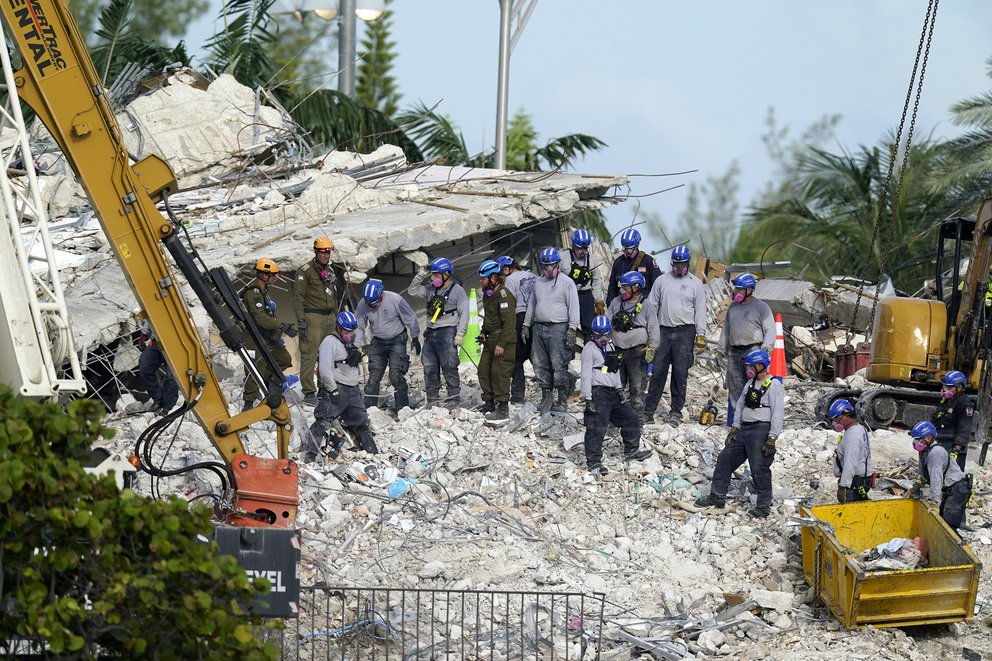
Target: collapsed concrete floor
493, 509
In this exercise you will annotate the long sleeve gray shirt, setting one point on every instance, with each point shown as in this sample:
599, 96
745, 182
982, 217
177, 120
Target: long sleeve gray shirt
331, 368
554, 301
591, 262
594, 371
455, 311
941, 471
521, 285
853, 456
772, 409
748, 323
645, 329
680, 301
386, 320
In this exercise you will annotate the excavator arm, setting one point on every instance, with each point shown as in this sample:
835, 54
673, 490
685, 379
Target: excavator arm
57, 79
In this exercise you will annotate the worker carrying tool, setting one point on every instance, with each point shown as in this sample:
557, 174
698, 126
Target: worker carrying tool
583, 267
953, 417
499, 343
314, 304
948, 484
262, 310
391, 321
635, 332
852, 458
756, 428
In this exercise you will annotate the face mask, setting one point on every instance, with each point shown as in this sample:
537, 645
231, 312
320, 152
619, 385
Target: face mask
601, 340
488, 292
680, 269
947, 393
625, 295
738, 297
437, 282
551, 271
838, 427
323, 274
919, 446
346, 337
581, 253
373, 304
750, 373
630, 252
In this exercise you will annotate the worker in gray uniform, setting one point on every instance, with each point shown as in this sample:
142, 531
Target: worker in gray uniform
553, 317
749, 325
391, 322
338, 395
583, 267
447, 321
602, 393
949, 485
752, 437
520, 283
852, 458
680, 300
635, 328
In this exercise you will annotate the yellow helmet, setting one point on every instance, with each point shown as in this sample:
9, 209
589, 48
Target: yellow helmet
323, 243
266, 266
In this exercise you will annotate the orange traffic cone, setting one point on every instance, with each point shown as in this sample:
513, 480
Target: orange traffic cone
778, 368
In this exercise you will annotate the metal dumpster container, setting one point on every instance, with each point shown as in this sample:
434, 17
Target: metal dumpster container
945, 591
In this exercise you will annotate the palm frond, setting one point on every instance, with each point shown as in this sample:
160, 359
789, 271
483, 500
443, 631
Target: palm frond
113, 24
562, 152
242, 48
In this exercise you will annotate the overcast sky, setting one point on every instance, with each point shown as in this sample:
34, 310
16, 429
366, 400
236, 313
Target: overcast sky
674, 86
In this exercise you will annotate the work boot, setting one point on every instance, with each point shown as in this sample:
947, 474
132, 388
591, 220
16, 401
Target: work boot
759, 512
248, 405
639, 455
517, 397
488, 406
310, 399
711, 501
546, 398
597, 468
500, 413
561, 405
674, 419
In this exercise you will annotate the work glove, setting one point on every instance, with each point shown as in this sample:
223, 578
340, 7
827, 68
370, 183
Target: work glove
841, 494
730, 437
914, 490
301, 326
142, 342
700, 344
570, 339
415, 345
769, 449
525, 334
288, 329
459, 340
649, 353
271, 307
600, 307
354, 357
590, 407
481, 338
335, 396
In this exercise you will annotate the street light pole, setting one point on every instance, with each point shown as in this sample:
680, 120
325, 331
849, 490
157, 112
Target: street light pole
508, 13
346, 48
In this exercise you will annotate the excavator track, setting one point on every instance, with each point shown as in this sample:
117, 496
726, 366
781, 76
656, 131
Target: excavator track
883, 406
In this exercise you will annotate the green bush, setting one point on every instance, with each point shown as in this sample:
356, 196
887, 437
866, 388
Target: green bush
88, 570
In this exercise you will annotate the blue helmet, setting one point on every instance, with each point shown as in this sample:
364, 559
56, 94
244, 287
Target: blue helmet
681, 254
347, 320
744, 281
922, 429
601, 325
955, 378
488, 267
581, 238
505, 260
630, 238
442, 265
550, 256
839, 408
758, 356
632, 278
372, 291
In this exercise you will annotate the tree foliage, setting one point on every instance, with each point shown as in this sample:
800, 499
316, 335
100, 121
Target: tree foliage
89, 570
156, 21
375, 84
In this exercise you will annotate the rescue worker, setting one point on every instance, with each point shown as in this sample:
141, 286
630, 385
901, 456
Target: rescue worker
948, 484
634, 322
583, 267
602, 393
553, 318
447, 321
262, 310
953, 417
749, 325
339, 396
679, 298
632, 259
391, 321
752, 437
498, 337
520, 283
314, 304
163, 397
852, 458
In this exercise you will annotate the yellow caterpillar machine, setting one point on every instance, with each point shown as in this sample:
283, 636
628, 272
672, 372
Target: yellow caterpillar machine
915, 341
56, 78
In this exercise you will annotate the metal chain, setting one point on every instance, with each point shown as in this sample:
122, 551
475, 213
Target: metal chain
922, 52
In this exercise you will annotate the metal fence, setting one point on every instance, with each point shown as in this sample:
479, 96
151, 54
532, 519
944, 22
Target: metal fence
386, 623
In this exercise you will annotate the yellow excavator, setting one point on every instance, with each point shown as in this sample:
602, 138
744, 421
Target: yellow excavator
53, 74
915, 341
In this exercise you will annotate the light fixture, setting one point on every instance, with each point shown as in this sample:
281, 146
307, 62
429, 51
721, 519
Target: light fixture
324, 9
370, 10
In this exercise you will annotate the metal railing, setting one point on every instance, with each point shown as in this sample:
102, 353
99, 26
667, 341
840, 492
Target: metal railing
391, 623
